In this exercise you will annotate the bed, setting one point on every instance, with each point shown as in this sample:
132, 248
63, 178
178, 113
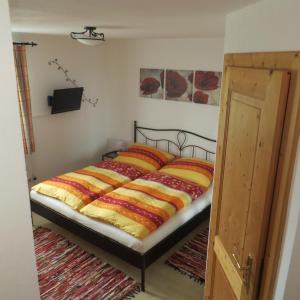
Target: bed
140, 253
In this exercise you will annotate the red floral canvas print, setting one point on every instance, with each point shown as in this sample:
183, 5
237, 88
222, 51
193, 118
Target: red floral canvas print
207, 87
178, 86
152, 83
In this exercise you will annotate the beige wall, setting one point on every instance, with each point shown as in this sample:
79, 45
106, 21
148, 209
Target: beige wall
18, 278
273, 25
185, 54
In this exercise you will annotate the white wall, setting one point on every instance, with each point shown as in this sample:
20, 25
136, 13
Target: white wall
270, 25
74, 139
71, 140
273, 25
186, 54
18, 278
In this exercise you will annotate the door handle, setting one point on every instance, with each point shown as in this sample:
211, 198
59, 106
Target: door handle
246, 270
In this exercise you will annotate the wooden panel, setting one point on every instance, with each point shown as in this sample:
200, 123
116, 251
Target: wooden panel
247, 100
289, 61
236, 283
250, 83
265, 167
238, 175
251, 122
211, 266
224, 292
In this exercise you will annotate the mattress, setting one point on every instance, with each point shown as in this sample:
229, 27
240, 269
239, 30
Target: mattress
120, 236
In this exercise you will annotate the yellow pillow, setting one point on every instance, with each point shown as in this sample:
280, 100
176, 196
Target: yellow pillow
194, 170
144, 157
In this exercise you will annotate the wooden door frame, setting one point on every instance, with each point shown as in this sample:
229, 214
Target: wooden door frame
289, 61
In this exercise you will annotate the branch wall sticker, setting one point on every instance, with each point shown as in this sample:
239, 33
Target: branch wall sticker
59, 67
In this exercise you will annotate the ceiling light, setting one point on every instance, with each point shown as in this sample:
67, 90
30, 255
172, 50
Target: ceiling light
88, 36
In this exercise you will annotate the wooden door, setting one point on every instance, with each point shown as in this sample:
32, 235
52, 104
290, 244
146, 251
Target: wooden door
251, 122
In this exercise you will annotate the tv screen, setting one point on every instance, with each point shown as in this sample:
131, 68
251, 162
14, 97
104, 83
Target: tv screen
66, 100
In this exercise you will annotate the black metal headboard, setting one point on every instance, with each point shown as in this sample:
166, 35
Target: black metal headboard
202, 146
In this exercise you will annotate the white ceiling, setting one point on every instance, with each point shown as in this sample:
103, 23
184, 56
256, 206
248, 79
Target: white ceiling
125, 18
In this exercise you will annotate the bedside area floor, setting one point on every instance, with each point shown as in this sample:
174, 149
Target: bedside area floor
162, 282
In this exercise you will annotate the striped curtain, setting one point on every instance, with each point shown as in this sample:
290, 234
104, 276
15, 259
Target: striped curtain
24, 98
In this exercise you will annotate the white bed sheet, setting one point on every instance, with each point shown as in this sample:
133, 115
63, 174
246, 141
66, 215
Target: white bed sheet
117, 234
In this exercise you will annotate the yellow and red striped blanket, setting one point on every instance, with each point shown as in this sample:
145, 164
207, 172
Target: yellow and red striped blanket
143, 205
81, 187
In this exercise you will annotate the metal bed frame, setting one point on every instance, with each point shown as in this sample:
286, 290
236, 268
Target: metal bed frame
139, 260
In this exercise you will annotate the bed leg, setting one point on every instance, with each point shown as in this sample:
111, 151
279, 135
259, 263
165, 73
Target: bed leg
143, 270
143, 279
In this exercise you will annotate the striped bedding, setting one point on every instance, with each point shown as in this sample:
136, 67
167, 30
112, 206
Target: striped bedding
143, 205
79, 188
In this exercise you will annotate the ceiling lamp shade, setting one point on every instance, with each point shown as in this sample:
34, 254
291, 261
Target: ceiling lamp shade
88, 36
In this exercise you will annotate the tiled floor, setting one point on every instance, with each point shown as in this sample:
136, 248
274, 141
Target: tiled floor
162, 282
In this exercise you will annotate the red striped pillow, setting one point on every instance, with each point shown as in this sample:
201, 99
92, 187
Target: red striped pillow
145, 157
194, 170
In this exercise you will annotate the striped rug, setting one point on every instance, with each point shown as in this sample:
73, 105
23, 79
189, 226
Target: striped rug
65, 271
191, 258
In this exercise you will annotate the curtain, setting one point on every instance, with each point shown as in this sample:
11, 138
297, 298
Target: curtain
24, 98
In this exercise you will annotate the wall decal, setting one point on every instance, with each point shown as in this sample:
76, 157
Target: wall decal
59, 67
207, 87
179, 85
152, 83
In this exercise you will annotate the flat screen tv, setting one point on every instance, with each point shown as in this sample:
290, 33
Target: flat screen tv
66, 100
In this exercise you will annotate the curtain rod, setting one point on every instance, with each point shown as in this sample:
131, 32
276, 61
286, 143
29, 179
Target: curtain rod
32, 44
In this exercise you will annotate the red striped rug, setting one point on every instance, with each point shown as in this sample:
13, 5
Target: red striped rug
65, 271
191, 258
